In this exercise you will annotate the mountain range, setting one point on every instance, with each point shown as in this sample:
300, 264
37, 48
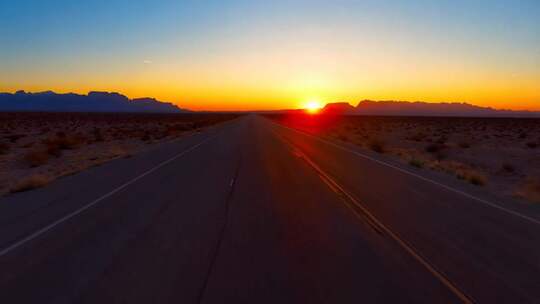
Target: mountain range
404, 108
93, 102
114, 102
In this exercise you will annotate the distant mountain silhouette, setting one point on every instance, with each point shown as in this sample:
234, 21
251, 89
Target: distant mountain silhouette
404, 108
93, 102
339, 108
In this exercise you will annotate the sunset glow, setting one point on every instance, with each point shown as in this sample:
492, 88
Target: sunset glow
249, 55
313, 106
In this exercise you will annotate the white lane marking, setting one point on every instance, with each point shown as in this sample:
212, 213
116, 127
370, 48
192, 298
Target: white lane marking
91, 204
496, 206
373, 219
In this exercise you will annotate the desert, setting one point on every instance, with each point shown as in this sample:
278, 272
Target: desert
500, 154
368, 151
37, 148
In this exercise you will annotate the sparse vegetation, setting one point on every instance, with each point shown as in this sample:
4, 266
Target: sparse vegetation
416, 163
464, 145
442, 140
13, 138
377, 145
64, 143
54, 150
98, 136
146, 137
434, 148
343, 137
36, 158
417, 137
31, 182
509, 168
437, 150
530, 190
490, 152
472, 177
532, 145
4, 148
477, 179
117, 151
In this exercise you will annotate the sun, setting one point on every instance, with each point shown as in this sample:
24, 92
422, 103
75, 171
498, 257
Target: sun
313, 106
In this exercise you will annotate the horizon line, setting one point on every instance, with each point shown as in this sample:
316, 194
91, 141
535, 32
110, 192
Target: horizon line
212, 109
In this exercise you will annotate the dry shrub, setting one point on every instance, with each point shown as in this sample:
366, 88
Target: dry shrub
98, 135
473, 177
417, 137
118, 151
118, 135
416, 163
442, 140
434, 148
508, 168
530, 190
30, 182
146, 136
343, 137
54, 150
437, 150
532, 145
464, 145
64, 142
460, 170
377, 145
36, 158
161, 134
28, 145
4, 148
14, 137
179, 127
477, 179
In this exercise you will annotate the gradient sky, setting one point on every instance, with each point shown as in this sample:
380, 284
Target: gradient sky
276, 54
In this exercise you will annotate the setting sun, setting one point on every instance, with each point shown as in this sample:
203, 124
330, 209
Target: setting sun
313, 106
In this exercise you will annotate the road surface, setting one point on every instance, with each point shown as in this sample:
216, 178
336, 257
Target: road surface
254, 212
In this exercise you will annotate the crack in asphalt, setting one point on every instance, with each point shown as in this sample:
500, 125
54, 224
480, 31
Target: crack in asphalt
221, 234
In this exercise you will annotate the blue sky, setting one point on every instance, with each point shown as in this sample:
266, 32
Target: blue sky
67, 45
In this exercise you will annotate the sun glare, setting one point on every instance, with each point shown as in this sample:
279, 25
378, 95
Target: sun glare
313, 106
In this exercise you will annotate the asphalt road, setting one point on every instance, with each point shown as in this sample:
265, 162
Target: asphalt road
253, 212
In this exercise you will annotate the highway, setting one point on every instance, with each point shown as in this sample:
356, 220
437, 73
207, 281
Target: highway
255, 212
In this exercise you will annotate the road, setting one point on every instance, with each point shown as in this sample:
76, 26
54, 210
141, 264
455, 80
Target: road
254, 212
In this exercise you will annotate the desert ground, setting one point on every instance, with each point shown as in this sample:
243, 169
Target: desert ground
36, 148
500, 154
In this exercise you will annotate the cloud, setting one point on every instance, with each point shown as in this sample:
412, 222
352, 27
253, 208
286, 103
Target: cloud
146, 61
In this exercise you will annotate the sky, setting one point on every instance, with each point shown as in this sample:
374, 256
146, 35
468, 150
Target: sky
244, 55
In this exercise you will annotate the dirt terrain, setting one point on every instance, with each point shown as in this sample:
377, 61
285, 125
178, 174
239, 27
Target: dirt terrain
501, 154
36, 148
